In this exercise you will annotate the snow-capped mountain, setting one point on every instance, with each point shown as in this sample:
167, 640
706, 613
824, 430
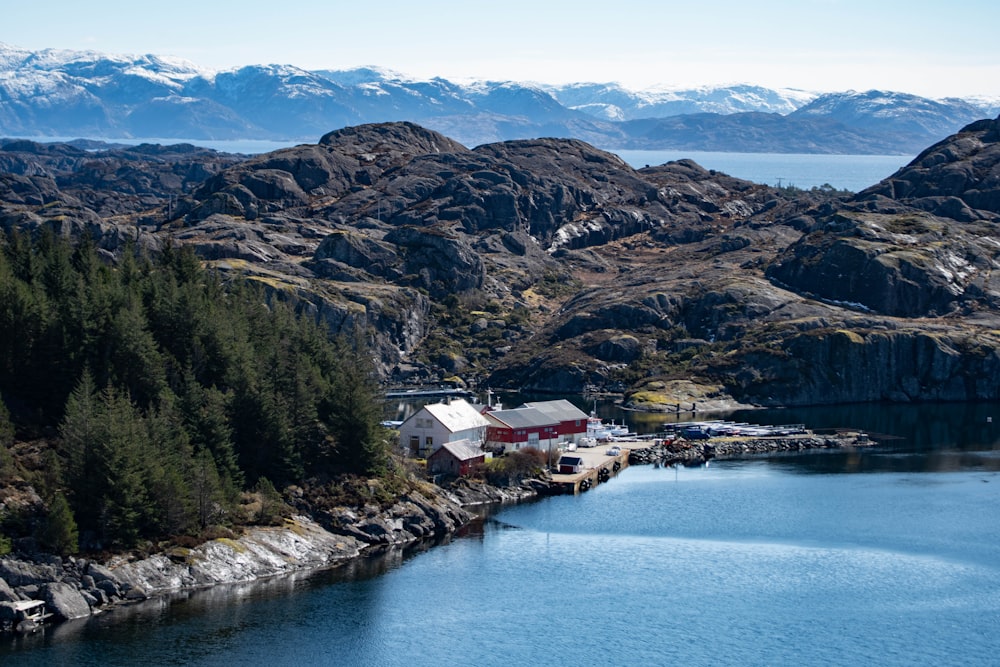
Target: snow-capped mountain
90, 94
877, 110
614, 102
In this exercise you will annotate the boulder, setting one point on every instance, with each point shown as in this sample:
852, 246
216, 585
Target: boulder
7, 593
21, 573
100, 573
623, 348
65, 601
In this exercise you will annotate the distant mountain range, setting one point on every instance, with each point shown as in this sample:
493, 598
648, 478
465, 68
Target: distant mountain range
55, 93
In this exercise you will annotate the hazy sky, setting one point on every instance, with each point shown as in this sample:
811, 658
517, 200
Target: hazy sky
931, 48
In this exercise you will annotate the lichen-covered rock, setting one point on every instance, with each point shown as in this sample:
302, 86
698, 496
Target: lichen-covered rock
262, 552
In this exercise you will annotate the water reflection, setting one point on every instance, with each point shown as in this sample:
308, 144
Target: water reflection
224, 615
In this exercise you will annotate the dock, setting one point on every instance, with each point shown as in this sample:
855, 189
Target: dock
598, 465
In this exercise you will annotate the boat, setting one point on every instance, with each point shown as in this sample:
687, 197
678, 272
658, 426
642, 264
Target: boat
720, 428
601, 431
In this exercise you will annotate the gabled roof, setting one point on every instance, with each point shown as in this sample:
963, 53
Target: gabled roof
463, 450
457, 415
561, 410
570, 460
522, 418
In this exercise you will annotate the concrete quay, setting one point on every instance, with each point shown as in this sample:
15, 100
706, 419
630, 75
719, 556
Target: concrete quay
598, 465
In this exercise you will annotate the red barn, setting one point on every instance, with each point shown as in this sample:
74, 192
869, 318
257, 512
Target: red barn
456, 458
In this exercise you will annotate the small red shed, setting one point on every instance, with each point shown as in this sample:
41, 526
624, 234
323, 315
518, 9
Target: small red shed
456, 458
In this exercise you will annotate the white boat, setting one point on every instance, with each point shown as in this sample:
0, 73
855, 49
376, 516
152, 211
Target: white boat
602, 431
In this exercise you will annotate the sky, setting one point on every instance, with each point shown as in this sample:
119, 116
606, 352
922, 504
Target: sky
930, 48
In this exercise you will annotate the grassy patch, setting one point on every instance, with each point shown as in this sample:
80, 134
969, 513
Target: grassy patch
232, 544
851, 336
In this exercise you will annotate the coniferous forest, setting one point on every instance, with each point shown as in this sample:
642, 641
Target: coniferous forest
164, 393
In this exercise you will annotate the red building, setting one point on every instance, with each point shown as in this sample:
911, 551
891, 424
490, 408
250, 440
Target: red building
519, 428
572, 420
456, 458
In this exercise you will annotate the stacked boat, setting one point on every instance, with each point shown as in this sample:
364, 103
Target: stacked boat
719, 428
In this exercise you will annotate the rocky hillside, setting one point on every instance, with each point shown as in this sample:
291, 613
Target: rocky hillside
550, 265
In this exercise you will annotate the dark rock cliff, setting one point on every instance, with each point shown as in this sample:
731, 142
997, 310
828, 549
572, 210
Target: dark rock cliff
549, 265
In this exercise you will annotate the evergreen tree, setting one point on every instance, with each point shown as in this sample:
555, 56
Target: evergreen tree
208, 385
168, 461
59, 531
353, 412
124, 505
209, 498
270, 501
6, 442
206, 419
136, 363
81, 432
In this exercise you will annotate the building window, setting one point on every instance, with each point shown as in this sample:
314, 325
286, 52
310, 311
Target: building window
429, 441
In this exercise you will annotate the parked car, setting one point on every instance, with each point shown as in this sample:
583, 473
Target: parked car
695, 433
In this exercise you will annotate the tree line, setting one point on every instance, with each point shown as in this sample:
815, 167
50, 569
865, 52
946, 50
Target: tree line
167, 391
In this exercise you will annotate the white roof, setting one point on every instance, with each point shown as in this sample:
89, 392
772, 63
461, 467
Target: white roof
457, 415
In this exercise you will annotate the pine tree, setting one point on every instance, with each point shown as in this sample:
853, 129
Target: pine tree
7, 467
353, 412
206, 419
136, 363
124, 505
59, 532
81, 432
207, 490
168, 460
270, 501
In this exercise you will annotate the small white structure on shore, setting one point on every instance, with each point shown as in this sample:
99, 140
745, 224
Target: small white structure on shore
437, 423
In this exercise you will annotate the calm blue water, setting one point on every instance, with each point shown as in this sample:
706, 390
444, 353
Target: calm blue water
843, 172
825, 558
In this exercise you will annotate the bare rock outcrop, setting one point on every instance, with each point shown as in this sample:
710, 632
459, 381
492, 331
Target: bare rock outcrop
598, 274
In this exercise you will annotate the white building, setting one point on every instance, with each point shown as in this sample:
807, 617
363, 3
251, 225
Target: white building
435, 424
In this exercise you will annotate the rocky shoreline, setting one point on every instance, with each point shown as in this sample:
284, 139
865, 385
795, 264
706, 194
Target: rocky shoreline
686, 452
74, 588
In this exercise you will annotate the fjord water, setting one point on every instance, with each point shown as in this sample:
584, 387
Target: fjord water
843, 172
888, 556
803, 170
